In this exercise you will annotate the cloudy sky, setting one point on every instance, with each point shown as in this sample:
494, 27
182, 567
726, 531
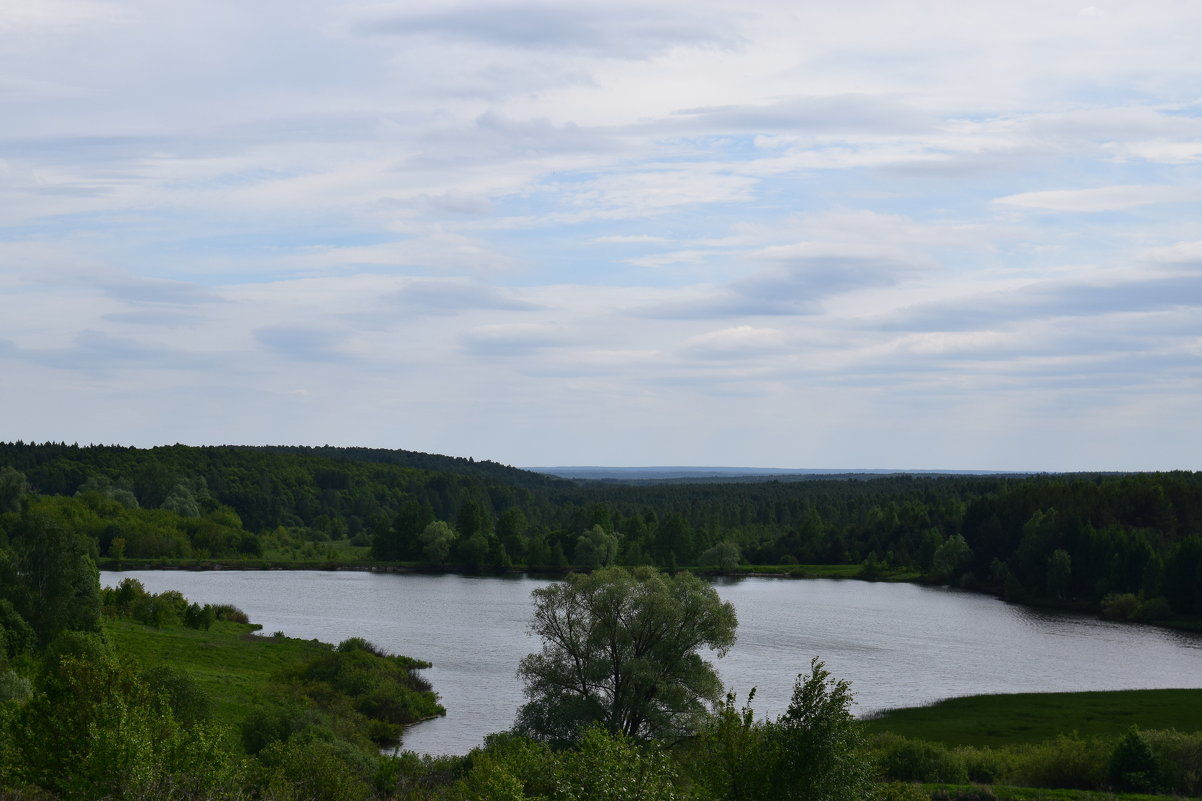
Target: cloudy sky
926, 234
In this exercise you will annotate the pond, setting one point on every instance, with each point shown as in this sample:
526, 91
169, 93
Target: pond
898, 644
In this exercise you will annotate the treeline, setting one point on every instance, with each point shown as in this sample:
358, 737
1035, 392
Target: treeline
1127, 543
83, 716
337, 492
1131, 543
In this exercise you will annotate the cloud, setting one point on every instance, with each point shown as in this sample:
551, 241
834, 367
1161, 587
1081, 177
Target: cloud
634, 194
157, 292
1106, 198
1179, 254
672, 257
740, 342
612, 210
457, 202
508, 341
850, 113
1052, 299
447, 297
98, 353
154, 317
610, 29
798, 281
629, 239
303, 343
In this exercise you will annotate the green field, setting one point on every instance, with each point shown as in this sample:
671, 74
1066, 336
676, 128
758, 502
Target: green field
993, 720
229, 662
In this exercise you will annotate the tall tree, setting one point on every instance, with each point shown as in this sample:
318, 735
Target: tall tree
55, 585
620, 649
402, 540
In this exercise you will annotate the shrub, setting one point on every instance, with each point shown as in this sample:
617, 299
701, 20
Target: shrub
296, 770
188, 703
271, 724
360, 644
510, 766
126, 599
1120, 606
986, 765
1179, 757
1133, 765
1064, 762
908, 760
230, 613
199, 617
1154, 609
613, 767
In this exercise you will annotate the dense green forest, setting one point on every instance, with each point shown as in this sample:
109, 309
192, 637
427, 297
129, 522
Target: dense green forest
1128, 544
119, 693
116, 693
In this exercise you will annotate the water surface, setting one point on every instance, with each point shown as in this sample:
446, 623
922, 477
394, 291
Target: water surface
898, 644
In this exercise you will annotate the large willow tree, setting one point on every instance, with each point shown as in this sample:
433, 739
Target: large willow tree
620, 649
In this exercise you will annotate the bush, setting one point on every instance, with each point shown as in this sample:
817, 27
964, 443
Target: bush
1179, 760
613, 767
1133, 765
1120, 606
298, 771
1154, 609
271, 724
126, 599
360, 644
165, 609
1065, 762
200, 617
188, 703
906, 760
510, 766
986, 765
230, 613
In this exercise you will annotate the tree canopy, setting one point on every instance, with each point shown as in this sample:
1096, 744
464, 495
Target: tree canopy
620, 649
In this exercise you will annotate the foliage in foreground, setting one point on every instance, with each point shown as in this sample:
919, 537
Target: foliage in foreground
812, 751
1140, 761
1029, 718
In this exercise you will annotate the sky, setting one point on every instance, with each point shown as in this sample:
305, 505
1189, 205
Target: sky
870, 234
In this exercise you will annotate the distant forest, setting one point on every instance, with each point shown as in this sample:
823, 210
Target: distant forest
1130, 544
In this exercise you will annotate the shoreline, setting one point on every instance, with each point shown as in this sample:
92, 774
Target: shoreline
793, 572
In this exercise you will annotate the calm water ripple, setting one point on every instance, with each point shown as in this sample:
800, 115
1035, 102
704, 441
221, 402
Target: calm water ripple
898, 644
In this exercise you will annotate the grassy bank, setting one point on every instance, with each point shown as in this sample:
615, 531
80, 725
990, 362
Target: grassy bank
278, 685
232, 665
357, 561
1021, 718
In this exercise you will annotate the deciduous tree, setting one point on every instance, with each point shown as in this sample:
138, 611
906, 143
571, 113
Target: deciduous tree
620, 649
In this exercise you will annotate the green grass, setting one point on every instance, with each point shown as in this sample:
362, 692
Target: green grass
229, 663
1031, 717
824, 571
1004, 793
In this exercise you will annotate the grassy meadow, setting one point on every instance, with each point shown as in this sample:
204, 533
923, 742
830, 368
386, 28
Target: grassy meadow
1021, 718
230, 662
